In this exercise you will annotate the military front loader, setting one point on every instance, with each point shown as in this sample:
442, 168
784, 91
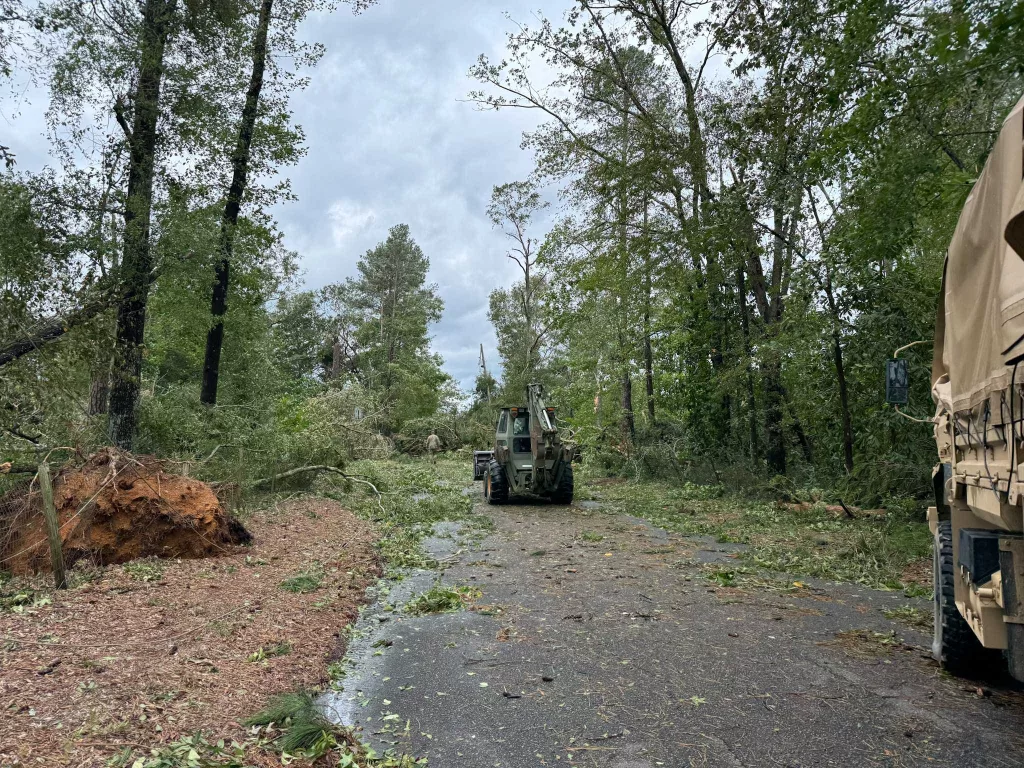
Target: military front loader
529, 459
978, 518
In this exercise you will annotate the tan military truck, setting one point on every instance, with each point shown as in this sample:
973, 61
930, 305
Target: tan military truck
977, 383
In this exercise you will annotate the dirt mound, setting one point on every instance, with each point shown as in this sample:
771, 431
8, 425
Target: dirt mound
113, 508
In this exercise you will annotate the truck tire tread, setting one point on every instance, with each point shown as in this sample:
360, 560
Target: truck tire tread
563, 493
954, 644
496, 483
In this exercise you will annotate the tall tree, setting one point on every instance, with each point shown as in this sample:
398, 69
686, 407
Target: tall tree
136, 259
516, 310
389, 306
229, 219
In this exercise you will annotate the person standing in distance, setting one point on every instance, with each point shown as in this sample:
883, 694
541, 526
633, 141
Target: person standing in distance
433, 447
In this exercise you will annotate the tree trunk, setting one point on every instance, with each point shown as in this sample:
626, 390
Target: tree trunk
798, 427
628, 422
844, 401
837, 354
99, 388
648, 351
136, 260
773, 411
229, 219
648, 369
335, 359
741, 290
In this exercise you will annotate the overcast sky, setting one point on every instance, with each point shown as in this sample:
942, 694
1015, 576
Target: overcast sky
392, 140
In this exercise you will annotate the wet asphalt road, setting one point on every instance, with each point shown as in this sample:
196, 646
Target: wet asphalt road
618, 653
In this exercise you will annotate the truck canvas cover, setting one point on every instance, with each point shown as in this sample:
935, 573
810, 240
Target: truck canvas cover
980, 322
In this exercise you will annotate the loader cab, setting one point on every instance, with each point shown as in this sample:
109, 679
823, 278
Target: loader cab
514, 431
501, 438
521, 433
528, 459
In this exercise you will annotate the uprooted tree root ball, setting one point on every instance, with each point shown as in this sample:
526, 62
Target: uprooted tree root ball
116, 507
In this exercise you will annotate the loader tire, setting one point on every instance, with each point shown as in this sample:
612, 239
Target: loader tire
563, 493
954, 644
495, 483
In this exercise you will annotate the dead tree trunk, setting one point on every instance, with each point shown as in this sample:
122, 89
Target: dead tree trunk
741, 291
628, 422
136, 261
229, 219
837, 354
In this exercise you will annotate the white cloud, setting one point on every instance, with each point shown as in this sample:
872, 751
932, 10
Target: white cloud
392, 140
349, 219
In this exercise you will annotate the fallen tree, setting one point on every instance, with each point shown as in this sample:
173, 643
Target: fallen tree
52, 328
10, 468
317, 469
49, 329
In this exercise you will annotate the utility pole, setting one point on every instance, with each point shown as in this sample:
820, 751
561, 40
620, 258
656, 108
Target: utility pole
487, 379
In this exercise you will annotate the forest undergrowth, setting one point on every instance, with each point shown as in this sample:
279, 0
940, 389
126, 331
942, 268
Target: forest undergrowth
881, 549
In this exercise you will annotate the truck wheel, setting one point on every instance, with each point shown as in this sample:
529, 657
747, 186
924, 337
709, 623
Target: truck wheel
954, 644
563, 493
496, 484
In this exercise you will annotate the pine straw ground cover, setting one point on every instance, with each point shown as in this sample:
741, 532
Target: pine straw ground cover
151, 652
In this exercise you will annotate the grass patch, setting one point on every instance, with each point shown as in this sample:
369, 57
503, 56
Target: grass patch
305, 728
304, 582
145, 570
871, 550
440, 599
911, 616
414, 495
591, 536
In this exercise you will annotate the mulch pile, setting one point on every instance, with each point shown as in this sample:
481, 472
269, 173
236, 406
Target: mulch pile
145, 654
114, 508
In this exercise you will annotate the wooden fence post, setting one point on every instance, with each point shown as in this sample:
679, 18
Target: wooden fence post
52, 527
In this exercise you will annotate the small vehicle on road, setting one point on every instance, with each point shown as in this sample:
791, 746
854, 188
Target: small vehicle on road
529, 458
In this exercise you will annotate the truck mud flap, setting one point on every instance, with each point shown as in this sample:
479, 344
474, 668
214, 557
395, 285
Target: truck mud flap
1011, 566
480, 461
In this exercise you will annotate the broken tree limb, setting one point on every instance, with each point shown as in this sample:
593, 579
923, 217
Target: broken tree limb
10, 468
50, 329
317, 468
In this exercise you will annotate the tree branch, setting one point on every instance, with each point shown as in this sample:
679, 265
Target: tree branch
122, 120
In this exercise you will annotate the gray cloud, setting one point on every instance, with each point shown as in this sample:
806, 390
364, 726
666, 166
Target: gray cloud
391, 140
